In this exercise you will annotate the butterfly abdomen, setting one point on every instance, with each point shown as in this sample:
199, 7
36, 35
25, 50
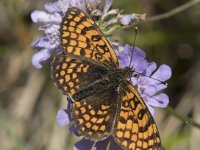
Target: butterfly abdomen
91, 89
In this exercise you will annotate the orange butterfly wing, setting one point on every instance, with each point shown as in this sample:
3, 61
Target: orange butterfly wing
135, 127
94, 116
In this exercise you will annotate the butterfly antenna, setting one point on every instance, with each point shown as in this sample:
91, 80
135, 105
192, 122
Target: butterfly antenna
136, 31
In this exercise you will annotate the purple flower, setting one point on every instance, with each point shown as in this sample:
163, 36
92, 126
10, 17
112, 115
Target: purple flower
137, 59
52, 17
151, 86
63, 117
149, 82
51, 20
127, 19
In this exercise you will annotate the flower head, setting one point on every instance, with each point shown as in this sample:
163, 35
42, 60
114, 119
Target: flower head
52, 17
51, 20
148, 80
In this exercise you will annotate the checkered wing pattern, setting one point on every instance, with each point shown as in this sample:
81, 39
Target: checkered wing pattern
135, 127
94, 116
80, 36
70, 74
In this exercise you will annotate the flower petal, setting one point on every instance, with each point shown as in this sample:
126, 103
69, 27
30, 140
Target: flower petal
123, 60
161, 100
52, 29
160, 87
63, 118
163, 73
139, 64
124, 56
127, 50
102, 144
126, 19
40, 57
138, 52
83, 144
41, 16
151, 68
137, 58
73, 129
52, 7
80, 4
107, 6
153, 89
42, 42
134, 81
150, 90
144, 81
118, 48
38, 16
152, 110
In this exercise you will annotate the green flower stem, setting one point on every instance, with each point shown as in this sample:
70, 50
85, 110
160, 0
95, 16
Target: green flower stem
182, 117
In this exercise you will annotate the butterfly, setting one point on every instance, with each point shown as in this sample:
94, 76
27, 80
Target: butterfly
105, 103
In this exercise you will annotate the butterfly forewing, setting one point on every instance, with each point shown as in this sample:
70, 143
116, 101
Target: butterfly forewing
72, 74
81, 36
135, 127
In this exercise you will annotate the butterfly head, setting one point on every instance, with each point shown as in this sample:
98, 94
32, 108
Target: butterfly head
128, 71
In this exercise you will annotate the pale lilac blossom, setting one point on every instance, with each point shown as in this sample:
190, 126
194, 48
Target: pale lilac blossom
149, 81
51, 19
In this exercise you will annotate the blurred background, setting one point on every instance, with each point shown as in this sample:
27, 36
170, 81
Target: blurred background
29, 101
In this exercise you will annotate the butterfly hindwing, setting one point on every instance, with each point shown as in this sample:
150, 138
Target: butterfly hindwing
81, 36
135, 127
94, 116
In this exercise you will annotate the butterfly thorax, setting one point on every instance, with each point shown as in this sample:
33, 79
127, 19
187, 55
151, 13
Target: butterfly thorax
118, 75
